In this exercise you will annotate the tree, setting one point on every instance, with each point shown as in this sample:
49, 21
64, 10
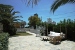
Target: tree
6, 12
44, 23
7, 17
67, 27
59, 3
34, 20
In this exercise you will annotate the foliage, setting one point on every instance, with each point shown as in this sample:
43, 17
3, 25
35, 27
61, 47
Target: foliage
11, 30
65, 26
34, 2
4, 41
49, 27
5, 23
34, 20
7, 17
8, 28
44, 23
68, 28
58, 3
54, 6
6, 12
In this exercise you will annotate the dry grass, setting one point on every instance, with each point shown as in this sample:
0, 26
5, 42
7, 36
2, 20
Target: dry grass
22, 34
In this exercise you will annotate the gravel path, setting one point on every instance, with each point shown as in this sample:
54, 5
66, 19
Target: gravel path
34, 43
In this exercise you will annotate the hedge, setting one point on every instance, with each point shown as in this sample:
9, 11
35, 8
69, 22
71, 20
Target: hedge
4, 41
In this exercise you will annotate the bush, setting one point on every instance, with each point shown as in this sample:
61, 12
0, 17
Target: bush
12, 30
4, 41
7, 27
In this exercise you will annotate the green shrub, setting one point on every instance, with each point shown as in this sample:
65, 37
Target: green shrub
12, 30
7, 27
4, 41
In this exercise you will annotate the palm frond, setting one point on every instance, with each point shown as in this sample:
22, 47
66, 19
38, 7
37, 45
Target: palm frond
11, 9
59, 3
15, 12
53, 5
17, 17
72, 1
32, 2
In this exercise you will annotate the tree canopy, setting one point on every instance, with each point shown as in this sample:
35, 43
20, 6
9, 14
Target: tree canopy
7, 13
34, 20
7, 17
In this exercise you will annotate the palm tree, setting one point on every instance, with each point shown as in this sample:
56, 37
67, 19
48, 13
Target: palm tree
4, 9
7, 16
7, 13
13, 17
59, 3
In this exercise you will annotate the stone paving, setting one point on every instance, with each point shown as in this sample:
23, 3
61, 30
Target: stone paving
34, 43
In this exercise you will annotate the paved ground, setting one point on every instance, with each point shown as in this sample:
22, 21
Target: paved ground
34, 43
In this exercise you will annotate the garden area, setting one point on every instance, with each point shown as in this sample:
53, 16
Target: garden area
17, 34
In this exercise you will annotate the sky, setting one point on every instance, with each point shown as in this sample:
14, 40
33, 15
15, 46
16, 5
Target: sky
42, 9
